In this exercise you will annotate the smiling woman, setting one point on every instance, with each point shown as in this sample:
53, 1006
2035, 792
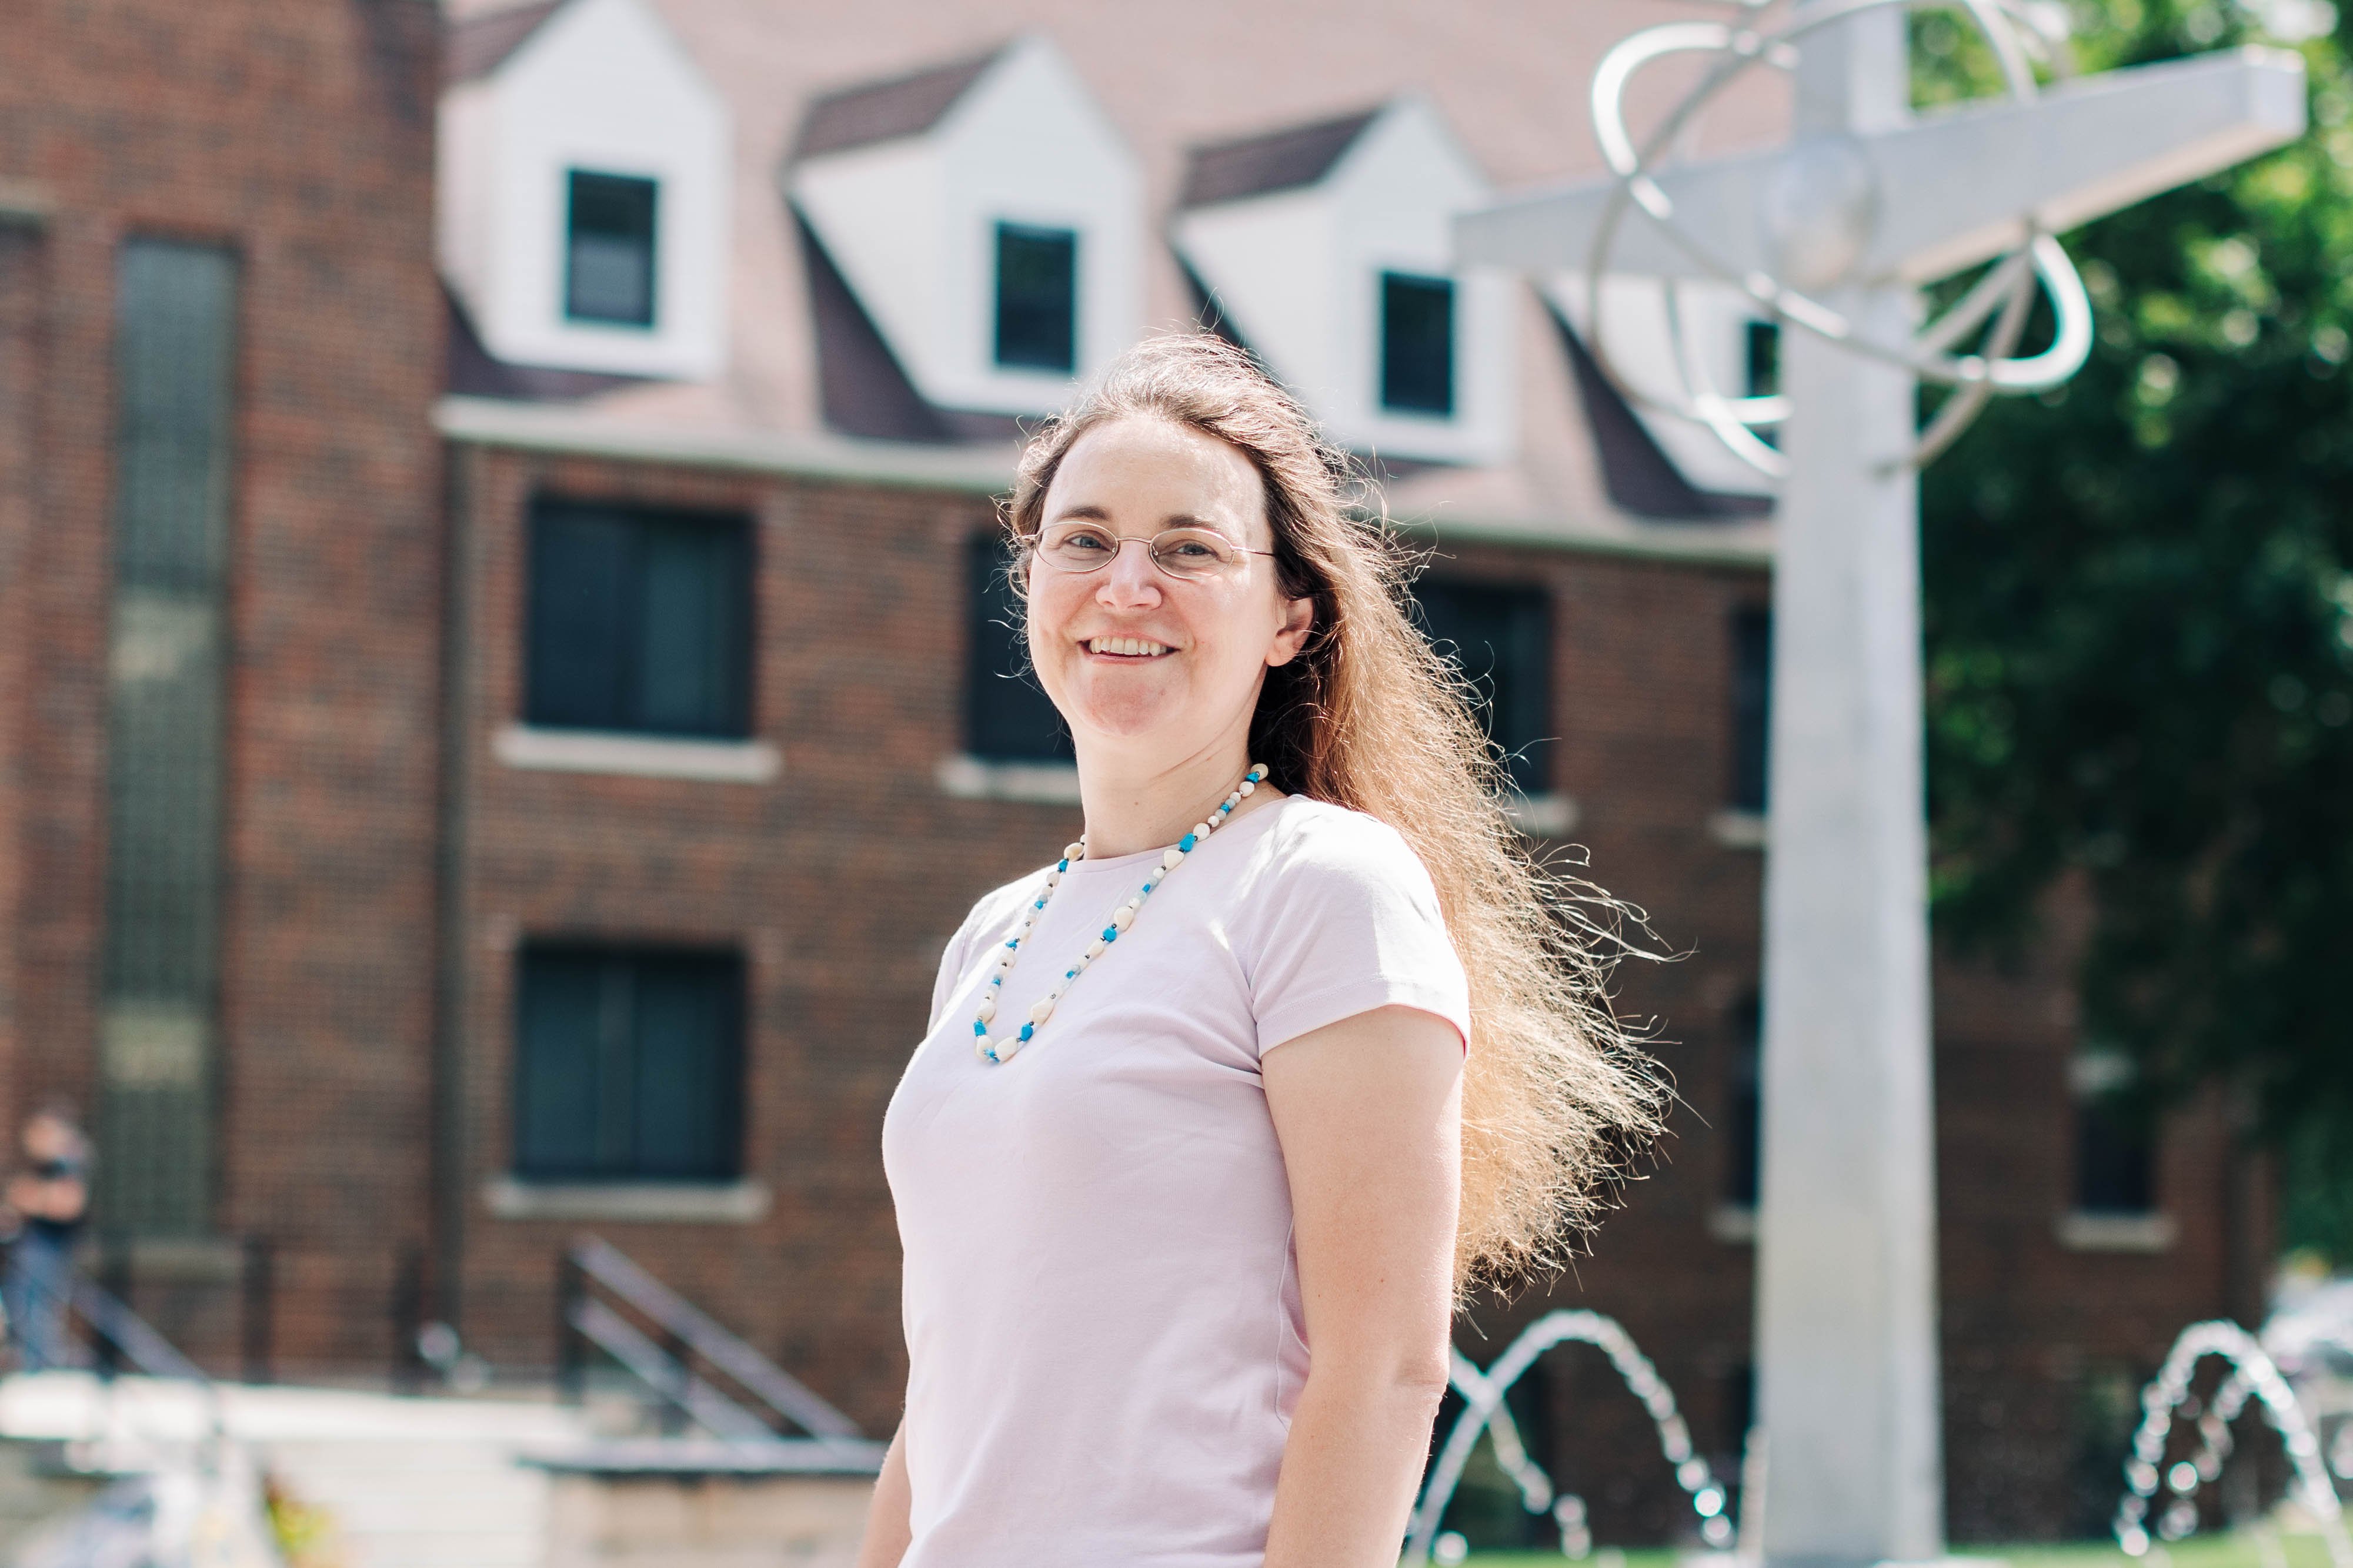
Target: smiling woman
1252, 1127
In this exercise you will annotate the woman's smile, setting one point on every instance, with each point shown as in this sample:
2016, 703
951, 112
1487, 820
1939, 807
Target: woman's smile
1126, 651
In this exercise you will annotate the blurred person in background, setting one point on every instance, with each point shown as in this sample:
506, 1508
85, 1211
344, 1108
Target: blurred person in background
47, 1204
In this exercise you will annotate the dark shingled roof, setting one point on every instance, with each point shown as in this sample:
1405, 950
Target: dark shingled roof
1273, 160
886, 111
479, 47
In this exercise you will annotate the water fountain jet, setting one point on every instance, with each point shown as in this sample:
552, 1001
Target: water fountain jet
1483, 1412
2253, 1375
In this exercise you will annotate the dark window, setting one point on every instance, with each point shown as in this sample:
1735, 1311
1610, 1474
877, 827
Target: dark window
1007, 717
638, 620
1037, 298
608, 262
1763, 368
2116, 1156
628, 1065
1744, 1105
1417, 343
1752, 698
1501, 638
175, 310
1763, 343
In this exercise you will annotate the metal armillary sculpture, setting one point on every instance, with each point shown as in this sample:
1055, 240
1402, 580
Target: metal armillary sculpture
1834, 234
1819, 211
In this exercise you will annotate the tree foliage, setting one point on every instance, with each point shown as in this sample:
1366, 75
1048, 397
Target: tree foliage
2140, 627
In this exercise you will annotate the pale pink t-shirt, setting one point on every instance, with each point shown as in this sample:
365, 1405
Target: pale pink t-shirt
1102, 1302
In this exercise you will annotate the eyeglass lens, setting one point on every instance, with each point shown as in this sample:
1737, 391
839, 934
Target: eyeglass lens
1180, 551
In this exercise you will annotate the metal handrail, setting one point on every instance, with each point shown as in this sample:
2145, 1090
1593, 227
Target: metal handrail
131, 1334
688, 1329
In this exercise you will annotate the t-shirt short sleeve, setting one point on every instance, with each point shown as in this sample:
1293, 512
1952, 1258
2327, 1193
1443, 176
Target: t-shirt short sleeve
1346, 921
952, 964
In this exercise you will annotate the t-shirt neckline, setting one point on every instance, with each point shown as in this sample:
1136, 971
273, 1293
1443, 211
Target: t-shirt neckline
1129, 864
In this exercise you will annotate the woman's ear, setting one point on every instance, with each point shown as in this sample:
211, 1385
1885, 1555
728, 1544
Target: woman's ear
1298, 620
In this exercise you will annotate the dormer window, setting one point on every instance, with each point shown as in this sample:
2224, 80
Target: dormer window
608, 273
1328, 250
584, 192
1037, 298
978, 229
1417, 345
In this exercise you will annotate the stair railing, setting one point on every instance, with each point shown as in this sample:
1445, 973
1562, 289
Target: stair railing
666, 1363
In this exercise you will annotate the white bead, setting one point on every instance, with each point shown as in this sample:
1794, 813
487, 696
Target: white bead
1202, 830
1074, 851
1041, 1009
980, 1049
1095, 950
1168, 862
1008, 1047
1120, 917
1247, 787
988, 1010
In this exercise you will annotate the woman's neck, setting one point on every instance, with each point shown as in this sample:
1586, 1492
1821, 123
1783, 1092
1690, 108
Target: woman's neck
1134, 807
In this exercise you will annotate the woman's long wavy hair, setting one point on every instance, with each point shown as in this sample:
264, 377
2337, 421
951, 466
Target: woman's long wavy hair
1555, 1099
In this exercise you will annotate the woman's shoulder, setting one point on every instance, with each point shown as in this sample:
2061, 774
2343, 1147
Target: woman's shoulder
1314, 843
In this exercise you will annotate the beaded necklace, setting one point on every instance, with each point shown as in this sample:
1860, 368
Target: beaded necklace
1001, 1049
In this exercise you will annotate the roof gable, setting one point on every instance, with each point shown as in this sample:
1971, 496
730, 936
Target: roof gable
480, 45
1272, 161
887, 110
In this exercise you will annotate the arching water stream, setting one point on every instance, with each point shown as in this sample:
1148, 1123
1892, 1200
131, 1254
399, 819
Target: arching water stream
1483, 1412
2253, 1375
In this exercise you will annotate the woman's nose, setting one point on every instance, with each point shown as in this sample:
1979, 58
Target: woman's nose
1131, 578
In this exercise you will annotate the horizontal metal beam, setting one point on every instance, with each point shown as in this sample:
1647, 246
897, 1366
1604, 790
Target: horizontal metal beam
1952, 187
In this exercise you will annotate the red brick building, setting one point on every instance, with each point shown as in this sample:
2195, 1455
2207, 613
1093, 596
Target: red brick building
499, 710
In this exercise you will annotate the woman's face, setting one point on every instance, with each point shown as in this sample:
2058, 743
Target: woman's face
1204, 646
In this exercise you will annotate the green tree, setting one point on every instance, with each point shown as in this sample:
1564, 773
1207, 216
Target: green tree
2140, 626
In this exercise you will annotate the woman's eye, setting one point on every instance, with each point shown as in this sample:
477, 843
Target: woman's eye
1083, 542
1193, 550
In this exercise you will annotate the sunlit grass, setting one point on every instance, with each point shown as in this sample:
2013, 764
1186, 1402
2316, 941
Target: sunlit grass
2235, 1549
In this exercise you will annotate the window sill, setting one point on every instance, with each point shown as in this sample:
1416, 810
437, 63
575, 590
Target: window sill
1040, 783
673, 1203
1735, 1223
637, 756
1542, 815
1737, 829
2080, 1232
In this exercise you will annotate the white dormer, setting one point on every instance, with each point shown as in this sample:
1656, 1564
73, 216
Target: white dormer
583, 191
1668, 343
989, 220
1327, 249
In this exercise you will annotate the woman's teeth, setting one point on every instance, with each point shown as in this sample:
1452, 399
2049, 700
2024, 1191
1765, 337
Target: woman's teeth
1132, 646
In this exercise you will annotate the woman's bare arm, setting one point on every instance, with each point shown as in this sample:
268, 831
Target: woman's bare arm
888, 1533
1369, 1114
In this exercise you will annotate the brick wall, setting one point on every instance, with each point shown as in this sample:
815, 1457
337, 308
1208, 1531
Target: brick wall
298, 136
840, 880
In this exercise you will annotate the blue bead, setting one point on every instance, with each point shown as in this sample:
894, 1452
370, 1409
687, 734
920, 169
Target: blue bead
1070, 975
1186, 844
1015, 943
1028, 1030
981, 1029
1111, 933
1061, 865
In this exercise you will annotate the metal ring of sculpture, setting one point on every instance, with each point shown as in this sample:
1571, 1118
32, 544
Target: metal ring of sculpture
1993, 310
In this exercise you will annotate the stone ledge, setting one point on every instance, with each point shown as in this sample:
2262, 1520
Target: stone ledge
2080, 1232
1737, 829
1038, 784
675, 1202
1542, 816
636, 757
